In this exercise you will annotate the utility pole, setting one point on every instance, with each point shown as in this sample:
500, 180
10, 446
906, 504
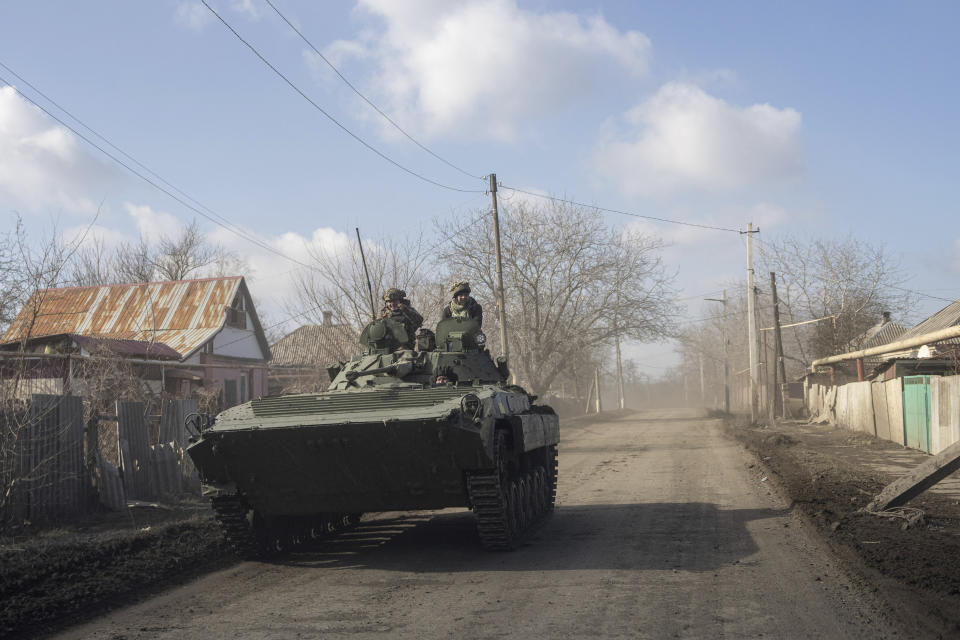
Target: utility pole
703, 392
501, 307
752, 325
726, 357
778, 346
768, 382
726, 351
596, 385
616, 333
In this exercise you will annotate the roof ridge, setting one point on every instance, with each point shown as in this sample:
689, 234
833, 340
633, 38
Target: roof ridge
139, 284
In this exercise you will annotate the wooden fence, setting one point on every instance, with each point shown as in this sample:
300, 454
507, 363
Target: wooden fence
47, 476
877, 408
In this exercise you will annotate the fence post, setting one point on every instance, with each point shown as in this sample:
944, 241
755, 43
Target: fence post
92, 444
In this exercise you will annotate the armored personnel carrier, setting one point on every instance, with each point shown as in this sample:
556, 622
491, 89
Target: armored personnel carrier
399, 428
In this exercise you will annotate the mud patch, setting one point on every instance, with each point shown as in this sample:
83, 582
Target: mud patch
911, 557
53, 578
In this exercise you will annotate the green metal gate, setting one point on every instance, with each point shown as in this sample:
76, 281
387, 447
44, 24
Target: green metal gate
916, 412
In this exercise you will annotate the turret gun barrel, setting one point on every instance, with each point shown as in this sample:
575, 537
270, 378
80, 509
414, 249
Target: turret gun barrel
398, 369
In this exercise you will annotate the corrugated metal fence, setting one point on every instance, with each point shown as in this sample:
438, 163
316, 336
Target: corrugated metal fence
42, 469
43, 477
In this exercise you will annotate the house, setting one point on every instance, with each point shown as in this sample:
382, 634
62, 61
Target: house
941, 358
300, 358
881, 333
179, 336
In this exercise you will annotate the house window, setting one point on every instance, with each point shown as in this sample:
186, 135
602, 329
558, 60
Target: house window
237, 314
243, 387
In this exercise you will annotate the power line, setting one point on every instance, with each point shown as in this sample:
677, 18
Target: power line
330, 117
921, 293
621, 212
367, 100
111, 145
126, 166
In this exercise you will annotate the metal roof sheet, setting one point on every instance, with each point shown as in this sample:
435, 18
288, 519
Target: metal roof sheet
947, 317
882, 334
315, 345
182, 314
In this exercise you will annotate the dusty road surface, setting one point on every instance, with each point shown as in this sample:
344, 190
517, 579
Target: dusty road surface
663, 530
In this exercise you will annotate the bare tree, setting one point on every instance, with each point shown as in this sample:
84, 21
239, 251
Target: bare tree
337, 282
134, 262
179, 257
571, 284
29, 271
849, 279
13, 285
93, 264
186, 255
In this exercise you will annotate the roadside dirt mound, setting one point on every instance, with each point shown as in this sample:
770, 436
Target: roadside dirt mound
53, 578
911, 555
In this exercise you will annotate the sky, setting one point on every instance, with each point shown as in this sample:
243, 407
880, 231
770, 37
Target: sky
814, 118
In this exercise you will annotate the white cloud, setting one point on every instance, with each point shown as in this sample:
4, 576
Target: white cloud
153, 224
193, 15
247, 7
485, 67
683, 138
270, 277
109, 236
708, 260
43, 168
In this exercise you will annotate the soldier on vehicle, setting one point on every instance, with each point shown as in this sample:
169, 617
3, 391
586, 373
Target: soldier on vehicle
462, 305
396, 306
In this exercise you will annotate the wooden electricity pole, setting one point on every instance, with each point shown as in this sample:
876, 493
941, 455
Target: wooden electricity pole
778, 347
501, 306
726, 351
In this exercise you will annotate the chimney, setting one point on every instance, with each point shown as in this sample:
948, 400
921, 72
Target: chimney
886, 318
328, 318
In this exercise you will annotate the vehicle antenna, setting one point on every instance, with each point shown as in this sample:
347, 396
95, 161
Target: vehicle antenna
373, 306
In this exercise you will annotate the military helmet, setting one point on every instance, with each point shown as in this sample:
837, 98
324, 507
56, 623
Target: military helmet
461, 286
394, 294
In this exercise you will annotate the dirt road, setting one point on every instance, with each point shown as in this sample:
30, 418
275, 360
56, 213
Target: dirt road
664, 529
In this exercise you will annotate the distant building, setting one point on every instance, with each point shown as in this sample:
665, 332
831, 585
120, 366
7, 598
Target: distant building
180, 335
884, 332
300, 358
940, 358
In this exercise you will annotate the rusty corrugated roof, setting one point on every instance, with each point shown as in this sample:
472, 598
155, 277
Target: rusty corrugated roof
315, 345
181, 314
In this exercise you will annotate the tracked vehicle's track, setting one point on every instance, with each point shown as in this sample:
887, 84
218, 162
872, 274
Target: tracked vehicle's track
510, 505
253, 538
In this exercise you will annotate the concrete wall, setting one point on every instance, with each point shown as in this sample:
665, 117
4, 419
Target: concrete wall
877, 408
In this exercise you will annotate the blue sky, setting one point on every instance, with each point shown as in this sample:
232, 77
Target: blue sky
805, 118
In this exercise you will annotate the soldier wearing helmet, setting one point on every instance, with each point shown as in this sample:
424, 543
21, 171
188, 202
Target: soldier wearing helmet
463, 305
396, 306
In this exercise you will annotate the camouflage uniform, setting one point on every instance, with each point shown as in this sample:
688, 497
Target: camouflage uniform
411, 319
471, 309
